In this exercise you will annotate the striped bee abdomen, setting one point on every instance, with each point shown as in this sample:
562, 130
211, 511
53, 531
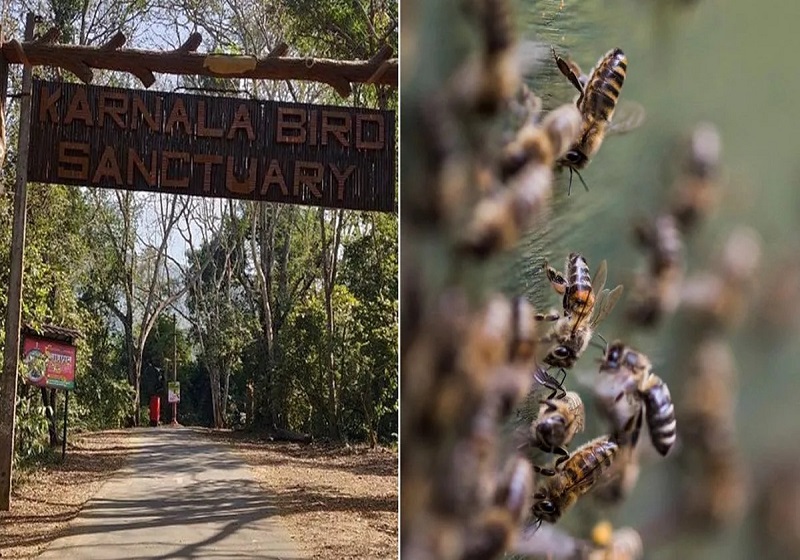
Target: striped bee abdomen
660, 414
604, 86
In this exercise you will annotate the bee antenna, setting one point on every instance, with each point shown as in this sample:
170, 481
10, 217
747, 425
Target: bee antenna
581, 178
569, 188
604, 346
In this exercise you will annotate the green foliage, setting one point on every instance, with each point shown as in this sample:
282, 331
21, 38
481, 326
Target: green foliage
369, 270
103, 401
31, 439
340, 28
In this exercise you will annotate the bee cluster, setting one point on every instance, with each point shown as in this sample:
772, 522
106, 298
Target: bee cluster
476, 485
468, 359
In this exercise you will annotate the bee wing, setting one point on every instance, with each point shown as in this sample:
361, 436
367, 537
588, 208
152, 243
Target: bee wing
606, 302
600, 275
627, 116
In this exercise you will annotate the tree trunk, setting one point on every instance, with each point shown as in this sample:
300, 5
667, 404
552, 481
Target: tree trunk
250, 400
49, 400
136, 371
225, 393
262, 239
133, 419
217, 407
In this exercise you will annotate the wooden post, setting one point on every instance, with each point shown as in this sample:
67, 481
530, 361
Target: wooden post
174, 364
64, 437
8, 381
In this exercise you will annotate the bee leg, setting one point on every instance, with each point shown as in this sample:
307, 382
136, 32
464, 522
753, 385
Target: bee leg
544, 471
556, 279
559, 389
551, 316
564, 455
638, 428
543, 378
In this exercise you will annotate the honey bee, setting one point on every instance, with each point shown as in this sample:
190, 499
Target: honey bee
709, 399
585, 304
646, 394
618, 402
576, 477
496, 78
526, 167
619, 481
696, 190
540, 144
597, 101
719, 495
663, 240
576, 287
495, 531
719, 296
657, 291
558, 421
620, 544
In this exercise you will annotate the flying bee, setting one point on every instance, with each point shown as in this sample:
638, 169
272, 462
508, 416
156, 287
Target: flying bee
616, 397
597, 101
526, 171
558, 421
720, 296
720, 495
585, 304
657, 291
663, 240
696, 190
633, 378
708, 402
576, 477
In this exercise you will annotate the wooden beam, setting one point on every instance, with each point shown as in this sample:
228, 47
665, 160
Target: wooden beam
142, 64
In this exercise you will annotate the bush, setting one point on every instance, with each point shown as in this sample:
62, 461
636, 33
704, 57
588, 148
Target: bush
31, 441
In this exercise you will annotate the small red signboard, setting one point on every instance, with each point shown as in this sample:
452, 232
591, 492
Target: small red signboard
48, 363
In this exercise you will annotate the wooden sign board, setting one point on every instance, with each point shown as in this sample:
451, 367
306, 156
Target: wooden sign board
48, 363
174, 391
318, 155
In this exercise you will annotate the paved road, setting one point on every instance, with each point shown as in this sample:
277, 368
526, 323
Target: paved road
181, 497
